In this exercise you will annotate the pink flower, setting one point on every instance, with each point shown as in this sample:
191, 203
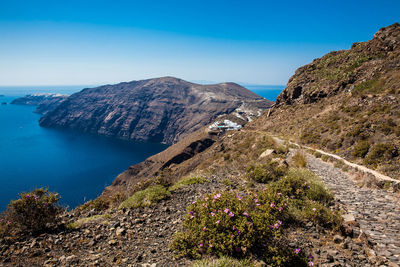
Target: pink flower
191, 212
314, 209
279, 194
217, 196
201, 244
297, 250
280, 208
272, 205
231, 214
256, 200
226, 210
310, 263
255, 195
205, 205
211, 245
279, 222
204, 228
212, 213
234, 228
205, 198
238, 197
276, 226
258, 204
246, 214
217, 222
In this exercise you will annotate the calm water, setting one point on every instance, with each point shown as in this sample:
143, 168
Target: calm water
75, 165
269, 92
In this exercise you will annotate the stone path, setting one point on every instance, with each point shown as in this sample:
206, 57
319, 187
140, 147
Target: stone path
376, 210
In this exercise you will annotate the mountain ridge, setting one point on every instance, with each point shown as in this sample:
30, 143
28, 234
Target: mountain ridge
156, 110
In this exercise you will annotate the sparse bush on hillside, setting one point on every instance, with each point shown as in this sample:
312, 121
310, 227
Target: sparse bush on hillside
381, 152
187, 181
361, 149
299, 160
97, 204
147, 197
317, 154
264, 173
34, 211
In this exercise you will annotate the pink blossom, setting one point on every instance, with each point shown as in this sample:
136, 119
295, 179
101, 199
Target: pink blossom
256, 200
212, 213
238, 197
226, 210
211, 245
276, 226
204, 228
310, 263
201, 244
217, 222
297, 250
246, 214
217, 196
191, 212
314, 209
272, 205
279, 222
280, 208
255, 195
231, 214
205, 205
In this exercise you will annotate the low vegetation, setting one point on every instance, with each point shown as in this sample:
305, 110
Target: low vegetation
187, 181
267, 172
147, 197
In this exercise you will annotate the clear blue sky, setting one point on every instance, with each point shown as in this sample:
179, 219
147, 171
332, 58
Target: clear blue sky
71, 42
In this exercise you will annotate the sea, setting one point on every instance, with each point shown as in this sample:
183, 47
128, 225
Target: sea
77, 166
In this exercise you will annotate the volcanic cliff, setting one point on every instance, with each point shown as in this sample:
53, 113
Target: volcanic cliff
155, 110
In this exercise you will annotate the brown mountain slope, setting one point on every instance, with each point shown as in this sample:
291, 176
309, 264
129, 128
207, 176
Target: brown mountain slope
156, 110
347, 102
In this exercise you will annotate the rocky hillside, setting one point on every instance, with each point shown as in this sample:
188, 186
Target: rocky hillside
155, 110
44, 101
347, 102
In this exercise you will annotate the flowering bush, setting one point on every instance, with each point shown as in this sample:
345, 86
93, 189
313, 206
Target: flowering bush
33, 211
232, 224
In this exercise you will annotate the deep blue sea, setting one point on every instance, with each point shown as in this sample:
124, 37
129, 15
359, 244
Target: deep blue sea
75, 165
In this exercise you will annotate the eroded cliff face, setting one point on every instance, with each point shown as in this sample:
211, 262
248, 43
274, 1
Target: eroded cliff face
155, 110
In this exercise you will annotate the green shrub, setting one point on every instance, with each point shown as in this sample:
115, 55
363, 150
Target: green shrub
97, 204
317, 154
34, 211
147, 197
264, 173
82, 221
381, 152
325, 157
299, 160
187, 181
361, 149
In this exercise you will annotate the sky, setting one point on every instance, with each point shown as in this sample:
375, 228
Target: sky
250, 42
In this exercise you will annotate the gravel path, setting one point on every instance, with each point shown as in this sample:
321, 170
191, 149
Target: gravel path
376, 210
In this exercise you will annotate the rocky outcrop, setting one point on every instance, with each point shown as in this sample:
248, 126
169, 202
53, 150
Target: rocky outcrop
155, 110
343, 70
44, 101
